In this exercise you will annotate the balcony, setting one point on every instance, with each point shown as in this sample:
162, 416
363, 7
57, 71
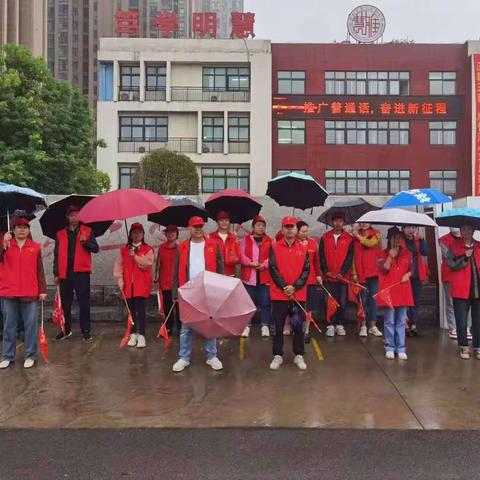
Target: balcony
212, 147
125, 95
155, 95
137, 145
239, 147
198, 94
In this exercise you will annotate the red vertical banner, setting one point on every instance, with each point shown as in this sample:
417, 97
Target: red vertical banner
476, 120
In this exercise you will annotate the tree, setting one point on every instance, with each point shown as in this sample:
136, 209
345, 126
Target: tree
167, 173
46, 129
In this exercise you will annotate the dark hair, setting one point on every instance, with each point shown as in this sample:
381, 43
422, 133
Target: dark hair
301, 224
391, 233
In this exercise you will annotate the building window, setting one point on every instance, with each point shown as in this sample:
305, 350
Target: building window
367, 182
444, 180
156, 78
129, 78
286, 172
291, 82
153, 129
125, 175
367, 83
443, 83
216, 179
238, 129
291, 132
226, 79
367, 133
212, 129
443, 133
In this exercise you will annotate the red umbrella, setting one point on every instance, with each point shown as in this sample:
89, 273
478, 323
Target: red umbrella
215, 306
122, 204
239, 204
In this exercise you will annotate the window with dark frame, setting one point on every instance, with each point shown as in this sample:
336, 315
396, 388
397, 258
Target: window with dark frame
212, 129
156, 77
133, 128
443, 133
239, 129
366, 182
444, 180
125, 174
367, 133
230, 79
367, 83
291, 132
219, 178
286, 172
129, 78
443, 83
290, 82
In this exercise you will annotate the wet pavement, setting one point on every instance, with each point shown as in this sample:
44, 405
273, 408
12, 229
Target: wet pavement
348, 384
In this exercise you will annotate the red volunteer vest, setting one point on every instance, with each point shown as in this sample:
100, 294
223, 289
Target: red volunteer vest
335, 254
137, 282
263, 255
82, 261
230, 251
462, 279
312, 250
167, 257
447, 240
20, 270
366, 259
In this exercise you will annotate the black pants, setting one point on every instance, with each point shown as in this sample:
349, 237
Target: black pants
412, 312
338, 290
80, 284
280, 310
175, 315
461, 308
137, 309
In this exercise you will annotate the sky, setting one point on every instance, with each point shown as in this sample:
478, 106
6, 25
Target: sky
424, 21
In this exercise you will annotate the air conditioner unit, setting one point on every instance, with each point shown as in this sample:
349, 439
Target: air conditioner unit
124, 96
214, 98
141, 149
134, 96
205, 149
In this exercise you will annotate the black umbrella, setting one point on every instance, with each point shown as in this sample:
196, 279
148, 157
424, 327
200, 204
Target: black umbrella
351, 209
14, 198
54, 219
179, 213
239, 204
458, 217
297, 190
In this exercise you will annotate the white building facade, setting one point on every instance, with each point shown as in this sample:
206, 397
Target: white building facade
208, 99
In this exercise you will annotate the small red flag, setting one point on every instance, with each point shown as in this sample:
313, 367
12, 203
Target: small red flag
163, 332
43, 343
332, 307
311, 320
58, 317
128, 332
385, 297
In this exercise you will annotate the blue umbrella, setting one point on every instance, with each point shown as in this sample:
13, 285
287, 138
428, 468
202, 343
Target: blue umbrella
457, 217
421, 197
14, 198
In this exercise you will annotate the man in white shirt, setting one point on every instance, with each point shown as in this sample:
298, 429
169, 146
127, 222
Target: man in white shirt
194, 256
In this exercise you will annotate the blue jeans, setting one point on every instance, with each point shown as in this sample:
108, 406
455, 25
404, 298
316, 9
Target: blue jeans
186, 337
369, 303
394, 328
260, 296
13, 311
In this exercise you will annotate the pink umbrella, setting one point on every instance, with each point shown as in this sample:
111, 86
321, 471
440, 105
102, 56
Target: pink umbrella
215, 306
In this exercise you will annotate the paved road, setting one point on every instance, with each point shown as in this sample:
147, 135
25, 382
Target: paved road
243, 454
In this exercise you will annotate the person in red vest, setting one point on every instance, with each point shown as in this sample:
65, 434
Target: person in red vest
367, 249
314, 277
72, 266
419, 248
289, 268
336, 259
164, 272
254, 252
395, 271
133, 271
196, 255
228, 244
463, 258
24, 285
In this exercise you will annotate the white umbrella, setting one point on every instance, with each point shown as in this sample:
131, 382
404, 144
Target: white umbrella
397, 216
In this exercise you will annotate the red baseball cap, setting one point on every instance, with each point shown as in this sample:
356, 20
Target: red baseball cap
289, 221
171, 228
21, 221
223, 215
196, 222
338, 215
257, 219
137, 226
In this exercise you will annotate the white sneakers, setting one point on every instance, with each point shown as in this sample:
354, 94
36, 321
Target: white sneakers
246, 332
276, 362
180, 365
28, 363
464, 353
132, 341
340, 330
141, 342
390, 355
402, 356
265, 331
375, 331
363, 331
4, 364
287, 331
300, 362
215, 363
330, 331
